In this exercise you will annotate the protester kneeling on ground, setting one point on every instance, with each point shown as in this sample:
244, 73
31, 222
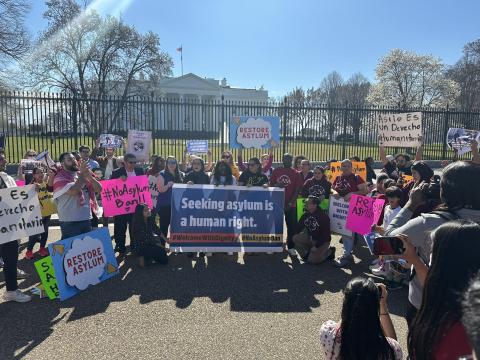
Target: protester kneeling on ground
460, 200
148, 237
313, 238
366, 330
437, 331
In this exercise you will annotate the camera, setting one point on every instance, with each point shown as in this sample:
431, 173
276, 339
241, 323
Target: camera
432, 190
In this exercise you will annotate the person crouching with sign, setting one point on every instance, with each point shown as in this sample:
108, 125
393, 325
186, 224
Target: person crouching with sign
313, 238
148, 237
9, 250
344, 186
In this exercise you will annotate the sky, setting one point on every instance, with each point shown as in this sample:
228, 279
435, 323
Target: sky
285, 44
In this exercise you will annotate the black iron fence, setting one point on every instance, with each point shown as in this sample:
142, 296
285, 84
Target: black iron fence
60, 122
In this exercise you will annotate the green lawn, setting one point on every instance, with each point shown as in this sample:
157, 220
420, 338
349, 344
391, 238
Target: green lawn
15, 147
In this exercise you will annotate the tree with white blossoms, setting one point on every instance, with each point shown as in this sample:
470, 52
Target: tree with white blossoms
407, 80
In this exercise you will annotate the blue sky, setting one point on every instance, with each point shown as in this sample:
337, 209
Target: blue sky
283, 44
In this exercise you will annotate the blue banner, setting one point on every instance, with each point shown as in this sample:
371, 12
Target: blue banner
226, 218
259, 132
197, 146
83, 260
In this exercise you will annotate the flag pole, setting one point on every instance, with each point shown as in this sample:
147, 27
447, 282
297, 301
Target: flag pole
181, 57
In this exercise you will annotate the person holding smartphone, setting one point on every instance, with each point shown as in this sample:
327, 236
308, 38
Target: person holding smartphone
364, 307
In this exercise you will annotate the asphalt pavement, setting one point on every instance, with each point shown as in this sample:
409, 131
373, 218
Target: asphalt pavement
221, 307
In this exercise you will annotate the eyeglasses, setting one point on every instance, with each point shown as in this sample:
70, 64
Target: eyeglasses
252, 164
31, 155
172, 162
226, 156
132, 162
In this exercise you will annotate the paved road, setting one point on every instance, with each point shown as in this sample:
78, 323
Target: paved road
224, 307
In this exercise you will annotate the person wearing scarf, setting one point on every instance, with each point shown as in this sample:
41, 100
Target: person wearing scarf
74, 189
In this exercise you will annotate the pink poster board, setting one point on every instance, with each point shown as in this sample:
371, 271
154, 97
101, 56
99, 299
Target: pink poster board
20, 182
121, 197
363, 212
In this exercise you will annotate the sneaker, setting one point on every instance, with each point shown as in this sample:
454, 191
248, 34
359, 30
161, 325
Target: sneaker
292, 252
230, 253
17, 296
21, 274
332, 253
381, 271
29, 255
375, 262
43, 252
344, 261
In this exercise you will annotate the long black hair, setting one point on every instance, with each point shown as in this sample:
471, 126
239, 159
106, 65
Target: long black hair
138, 222
361, 333
228, 172
457, 186
425, 171
455, 261
177, 177
256, 160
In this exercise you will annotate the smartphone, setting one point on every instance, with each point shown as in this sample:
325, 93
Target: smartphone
387, 245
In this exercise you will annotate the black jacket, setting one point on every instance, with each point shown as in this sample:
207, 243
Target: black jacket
123, 172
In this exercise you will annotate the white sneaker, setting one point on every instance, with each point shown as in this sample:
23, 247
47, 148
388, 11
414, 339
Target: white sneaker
17, 296
380, 271
292, 252
230, 253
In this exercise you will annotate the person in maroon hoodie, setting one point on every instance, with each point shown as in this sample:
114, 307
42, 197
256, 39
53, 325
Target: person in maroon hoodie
288, 179
318, 185
313, 237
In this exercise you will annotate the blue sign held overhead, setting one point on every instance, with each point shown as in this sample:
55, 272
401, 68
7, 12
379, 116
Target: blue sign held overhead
259, 132
197, 146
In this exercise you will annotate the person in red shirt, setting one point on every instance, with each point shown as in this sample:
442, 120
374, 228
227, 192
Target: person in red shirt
437, 331
344, 186
318, 185
313, 235
287, 178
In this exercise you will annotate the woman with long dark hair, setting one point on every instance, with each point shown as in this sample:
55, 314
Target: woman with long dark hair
197, 175
171, 175
148, 237
460, 200
222, 174
253, 176
437, 331
366, 330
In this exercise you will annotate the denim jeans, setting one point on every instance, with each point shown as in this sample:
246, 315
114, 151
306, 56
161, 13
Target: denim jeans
347, 245
74, 228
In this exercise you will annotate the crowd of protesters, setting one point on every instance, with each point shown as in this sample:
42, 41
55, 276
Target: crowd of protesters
437, 219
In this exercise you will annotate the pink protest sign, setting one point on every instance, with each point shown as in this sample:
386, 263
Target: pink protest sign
20, 182
121, 197
363, 212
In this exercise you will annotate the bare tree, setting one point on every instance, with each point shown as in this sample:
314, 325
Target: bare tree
14, 38
301, 115
466, 72
84, 54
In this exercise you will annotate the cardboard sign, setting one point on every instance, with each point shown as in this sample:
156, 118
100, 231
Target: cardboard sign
47, 277
259, 132
28, 165
45, 197
121, 197
338, 212
197, 146
153, 185
19, 213
358, 167
460, 139
406, 178
301, 206
400, 129
363, 212
212, 218
20, 183
139, 144
83, 260
110, 141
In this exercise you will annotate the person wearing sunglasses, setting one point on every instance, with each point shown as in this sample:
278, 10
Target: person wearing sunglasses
171, 175
228, 158
121, 222
253, 176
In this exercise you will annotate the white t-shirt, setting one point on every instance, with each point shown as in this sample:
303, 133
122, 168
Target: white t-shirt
331, 341
389, 215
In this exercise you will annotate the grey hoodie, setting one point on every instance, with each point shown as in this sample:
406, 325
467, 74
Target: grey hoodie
419, 232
